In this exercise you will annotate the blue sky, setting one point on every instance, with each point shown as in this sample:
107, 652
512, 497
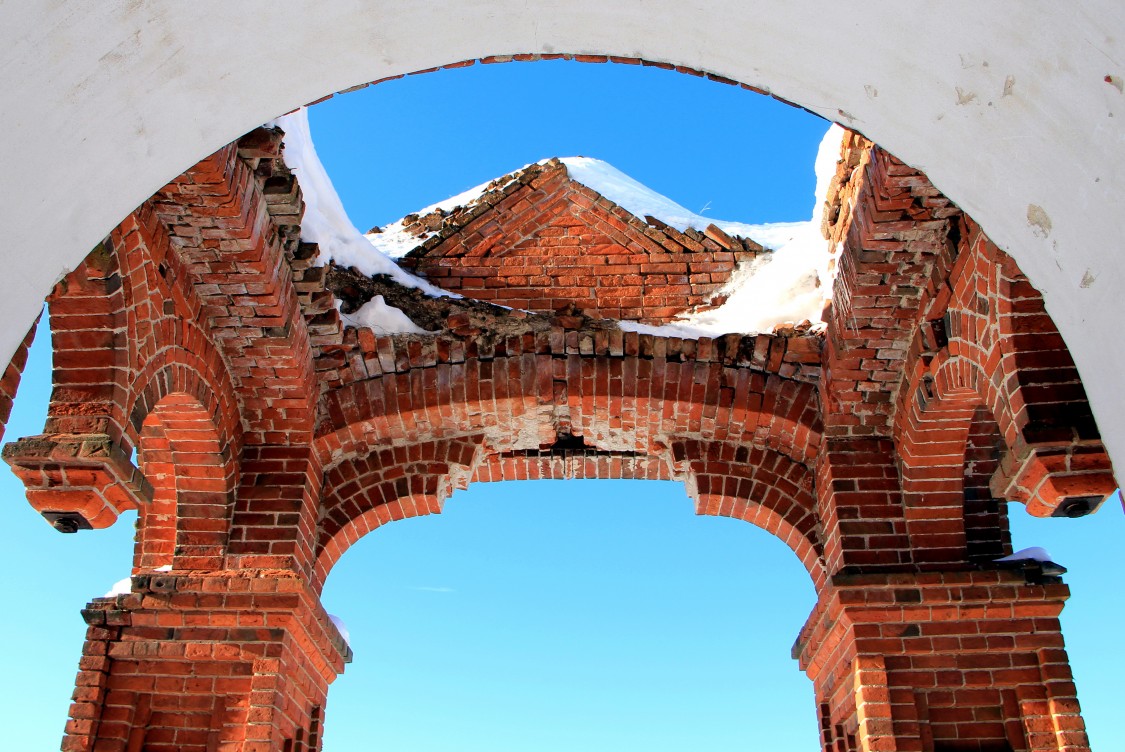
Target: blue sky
546, 616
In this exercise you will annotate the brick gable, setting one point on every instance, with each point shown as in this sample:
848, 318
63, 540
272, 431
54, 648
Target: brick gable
541, 241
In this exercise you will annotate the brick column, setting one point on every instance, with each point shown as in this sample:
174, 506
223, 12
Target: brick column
942, 662
198, 663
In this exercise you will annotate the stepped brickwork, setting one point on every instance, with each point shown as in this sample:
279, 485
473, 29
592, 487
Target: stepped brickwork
540, 241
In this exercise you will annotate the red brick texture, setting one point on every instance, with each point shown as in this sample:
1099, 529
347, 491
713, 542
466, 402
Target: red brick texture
270, 438
188, 522
625, 398
540, 241
385, 485
1001, 374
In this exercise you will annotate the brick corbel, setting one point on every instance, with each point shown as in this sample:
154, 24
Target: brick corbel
1055, 481
77, 481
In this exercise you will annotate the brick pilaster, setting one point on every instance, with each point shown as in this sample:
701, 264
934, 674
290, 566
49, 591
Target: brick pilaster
201, 663
943, 662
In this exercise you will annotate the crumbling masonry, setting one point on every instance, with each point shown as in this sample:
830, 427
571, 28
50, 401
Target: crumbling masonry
270, 438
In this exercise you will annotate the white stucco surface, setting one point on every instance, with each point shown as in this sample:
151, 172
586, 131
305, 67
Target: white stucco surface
1013, 108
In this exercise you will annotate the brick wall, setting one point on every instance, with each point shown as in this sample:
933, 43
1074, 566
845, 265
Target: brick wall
205, 662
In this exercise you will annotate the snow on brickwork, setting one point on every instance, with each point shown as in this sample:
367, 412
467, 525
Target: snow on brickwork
325, 221
743, 291
757, 292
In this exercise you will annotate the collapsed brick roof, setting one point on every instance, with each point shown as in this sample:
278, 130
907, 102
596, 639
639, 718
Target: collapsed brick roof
539, 240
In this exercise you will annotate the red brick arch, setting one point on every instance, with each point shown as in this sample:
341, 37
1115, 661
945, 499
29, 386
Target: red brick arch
761, 486
932, 438
755, 484
1004, 355
107, 382
564, 403
361, 493
192, 472
180, 371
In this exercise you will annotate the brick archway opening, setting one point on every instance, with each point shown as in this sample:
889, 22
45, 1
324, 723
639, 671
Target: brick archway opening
952, 449
687, 612
187, 524
759, 485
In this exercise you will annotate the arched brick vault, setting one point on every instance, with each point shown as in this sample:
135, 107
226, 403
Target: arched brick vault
919, 283
365, 492
172, 349
761, 486
316, 433
989, 346
126, 333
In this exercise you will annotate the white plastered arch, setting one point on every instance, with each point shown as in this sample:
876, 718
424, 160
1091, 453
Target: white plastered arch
1014, 109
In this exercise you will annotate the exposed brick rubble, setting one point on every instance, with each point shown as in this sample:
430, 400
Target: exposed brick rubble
271, 438
539, 240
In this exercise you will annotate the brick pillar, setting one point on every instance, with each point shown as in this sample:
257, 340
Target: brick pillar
942, 662
199, 663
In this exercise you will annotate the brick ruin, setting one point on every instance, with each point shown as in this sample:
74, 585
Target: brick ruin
270, 437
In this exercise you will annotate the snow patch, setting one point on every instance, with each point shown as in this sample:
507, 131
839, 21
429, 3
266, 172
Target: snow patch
125, 586
341, 628
1034, 553
1037, 554
790, 285
326, 223
381, 318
